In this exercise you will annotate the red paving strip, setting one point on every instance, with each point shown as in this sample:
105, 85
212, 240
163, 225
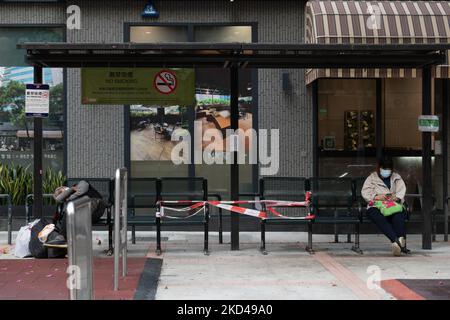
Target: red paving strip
399, 290
29, 279
346, 277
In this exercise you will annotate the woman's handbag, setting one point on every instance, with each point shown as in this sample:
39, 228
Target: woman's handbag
389, 207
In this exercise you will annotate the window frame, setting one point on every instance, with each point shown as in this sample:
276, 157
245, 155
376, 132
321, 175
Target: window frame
191, 37
63, 27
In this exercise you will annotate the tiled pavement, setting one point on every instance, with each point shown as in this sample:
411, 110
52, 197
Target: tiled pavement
30, 279
287, 272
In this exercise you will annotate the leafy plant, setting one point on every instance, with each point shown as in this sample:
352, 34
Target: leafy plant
213, 101
17, 181
50, 181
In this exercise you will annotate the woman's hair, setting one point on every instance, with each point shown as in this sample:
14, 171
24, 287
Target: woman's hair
386, 162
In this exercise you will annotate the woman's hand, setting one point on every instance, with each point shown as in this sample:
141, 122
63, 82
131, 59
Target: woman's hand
380, 197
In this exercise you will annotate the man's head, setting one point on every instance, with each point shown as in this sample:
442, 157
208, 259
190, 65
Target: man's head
385, 167
61, 194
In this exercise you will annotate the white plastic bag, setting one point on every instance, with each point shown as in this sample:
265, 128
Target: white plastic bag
23, 239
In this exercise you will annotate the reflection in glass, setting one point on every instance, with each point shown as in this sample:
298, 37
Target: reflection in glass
346, 113
223, 34
150, 34
151, 131
402, 107
16, 130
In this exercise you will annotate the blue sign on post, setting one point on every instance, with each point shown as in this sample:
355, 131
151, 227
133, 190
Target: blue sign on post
37, 100
150, 10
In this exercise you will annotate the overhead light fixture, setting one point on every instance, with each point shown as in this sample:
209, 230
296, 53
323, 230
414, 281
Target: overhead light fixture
150, 10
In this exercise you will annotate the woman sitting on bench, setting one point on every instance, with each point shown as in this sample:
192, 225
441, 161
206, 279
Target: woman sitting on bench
384, 191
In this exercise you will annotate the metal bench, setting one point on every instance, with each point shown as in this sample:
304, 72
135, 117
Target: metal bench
29, 201
287, 189
143, 194
333, 201
175, 189
217, 197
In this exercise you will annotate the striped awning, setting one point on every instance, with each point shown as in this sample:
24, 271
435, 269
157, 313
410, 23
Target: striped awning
377, 22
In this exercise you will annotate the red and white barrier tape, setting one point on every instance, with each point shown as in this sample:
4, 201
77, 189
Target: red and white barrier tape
231, 206
162, 214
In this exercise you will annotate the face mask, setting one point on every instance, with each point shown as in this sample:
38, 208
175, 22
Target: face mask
385, 173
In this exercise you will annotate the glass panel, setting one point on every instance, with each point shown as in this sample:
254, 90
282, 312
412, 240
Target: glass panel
347, 109
10, 37
152, 126
223, 34
402, 107
149, 34
16, 131
150, 142
213, 112
346, 166
410, 168
151, 139
213, 107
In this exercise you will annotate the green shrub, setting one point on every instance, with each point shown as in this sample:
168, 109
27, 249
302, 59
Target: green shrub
17, 181
52, 180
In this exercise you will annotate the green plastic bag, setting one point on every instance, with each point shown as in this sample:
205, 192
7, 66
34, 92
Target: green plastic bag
388, 208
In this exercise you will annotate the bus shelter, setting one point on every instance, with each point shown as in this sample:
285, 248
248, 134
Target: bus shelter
237, 56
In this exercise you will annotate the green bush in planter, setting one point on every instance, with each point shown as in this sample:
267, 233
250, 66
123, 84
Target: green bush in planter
50, 181
17, 181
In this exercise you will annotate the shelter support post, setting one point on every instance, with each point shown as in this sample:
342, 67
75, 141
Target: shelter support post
426, 162
315, 105
445, 120
379, 118
37, 154
234, 172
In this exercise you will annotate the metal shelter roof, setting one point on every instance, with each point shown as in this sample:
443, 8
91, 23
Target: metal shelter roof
241, 55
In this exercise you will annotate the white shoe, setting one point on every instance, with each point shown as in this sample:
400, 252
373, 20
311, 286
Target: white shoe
396, 249
402, 241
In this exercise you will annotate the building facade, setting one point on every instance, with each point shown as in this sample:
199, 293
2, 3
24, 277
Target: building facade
331, 122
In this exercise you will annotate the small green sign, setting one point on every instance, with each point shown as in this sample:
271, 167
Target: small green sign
323, 111
329, 143
428, 123
150, 86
